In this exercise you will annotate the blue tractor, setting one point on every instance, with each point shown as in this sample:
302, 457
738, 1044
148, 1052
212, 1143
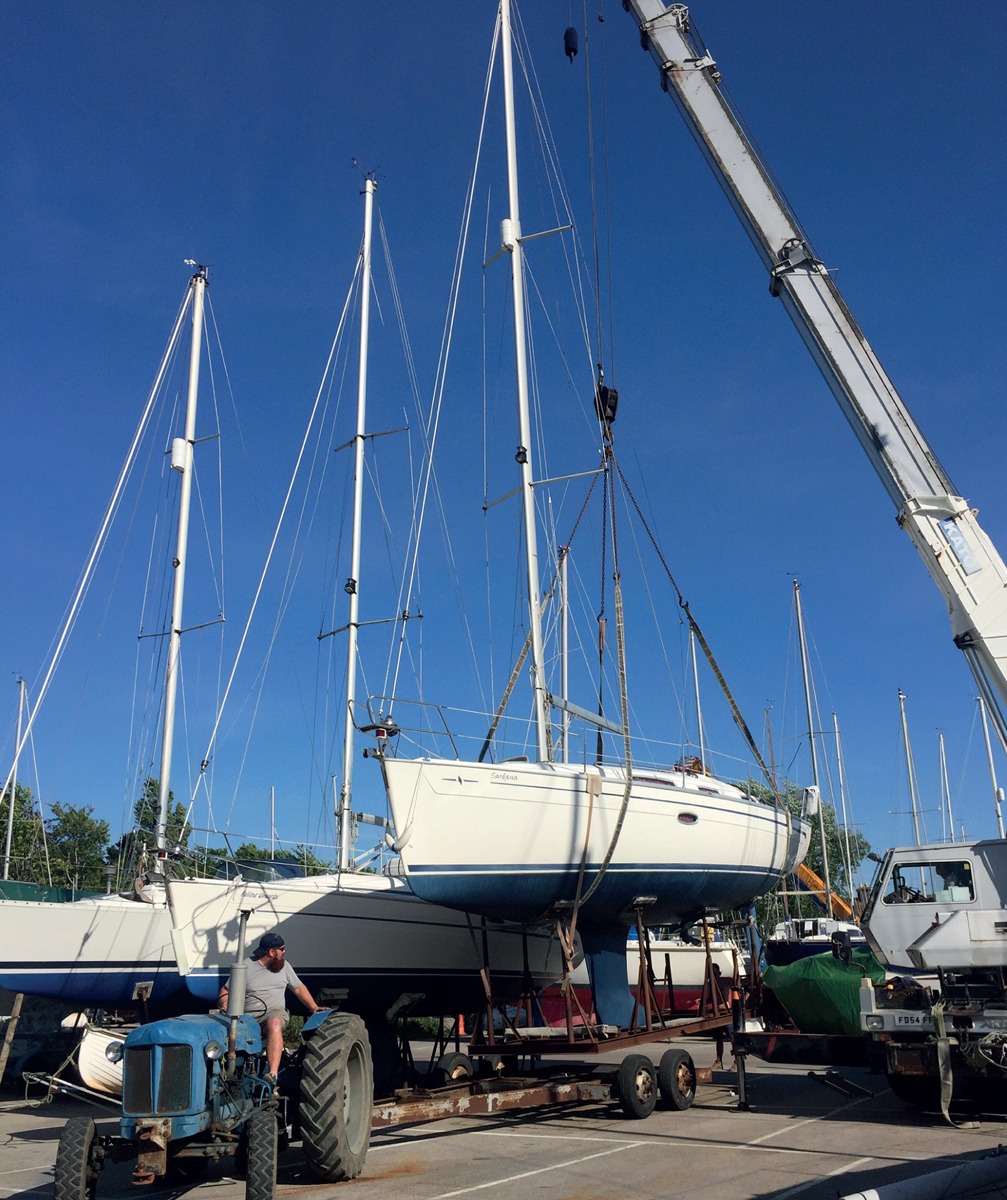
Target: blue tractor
194, 1091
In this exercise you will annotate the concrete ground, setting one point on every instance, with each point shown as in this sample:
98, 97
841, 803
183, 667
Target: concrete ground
803, 1139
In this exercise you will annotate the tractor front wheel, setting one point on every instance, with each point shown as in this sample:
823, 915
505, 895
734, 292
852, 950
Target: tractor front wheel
337, 1098
263, 1142
78, 1161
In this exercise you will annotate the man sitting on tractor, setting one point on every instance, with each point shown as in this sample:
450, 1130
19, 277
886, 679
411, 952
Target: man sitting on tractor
269, 976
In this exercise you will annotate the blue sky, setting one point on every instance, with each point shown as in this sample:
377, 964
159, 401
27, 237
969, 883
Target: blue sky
136, 138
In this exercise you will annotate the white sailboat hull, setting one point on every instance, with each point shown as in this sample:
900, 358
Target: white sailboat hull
367, 934
507, 840
98, 951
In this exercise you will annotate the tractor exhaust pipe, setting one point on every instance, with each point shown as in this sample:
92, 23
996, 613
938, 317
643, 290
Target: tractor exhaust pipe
236, 991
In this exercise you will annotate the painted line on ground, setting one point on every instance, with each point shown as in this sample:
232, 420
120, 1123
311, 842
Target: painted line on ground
803, 1187
834, 1112
21, 1170
573, 1162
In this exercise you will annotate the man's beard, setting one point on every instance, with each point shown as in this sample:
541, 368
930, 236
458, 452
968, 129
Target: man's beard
275, 965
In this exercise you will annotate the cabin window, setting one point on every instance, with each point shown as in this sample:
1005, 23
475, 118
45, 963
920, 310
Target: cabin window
930, 883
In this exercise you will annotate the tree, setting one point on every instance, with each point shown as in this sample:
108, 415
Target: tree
128, 851
77, 844
27, 861
768, 908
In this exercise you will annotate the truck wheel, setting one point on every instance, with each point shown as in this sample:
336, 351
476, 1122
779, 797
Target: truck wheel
676, 1079
923, 1091
77, 1161
636, 1086
337, 1098
263, 1136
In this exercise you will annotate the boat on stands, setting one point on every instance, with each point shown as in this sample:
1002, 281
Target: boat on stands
680, 974
538, 838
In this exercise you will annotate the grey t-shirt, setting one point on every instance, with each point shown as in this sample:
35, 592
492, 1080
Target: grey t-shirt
265, 989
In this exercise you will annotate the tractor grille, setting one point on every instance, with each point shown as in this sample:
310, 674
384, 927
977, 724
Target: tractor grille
175, 1083
136, 1094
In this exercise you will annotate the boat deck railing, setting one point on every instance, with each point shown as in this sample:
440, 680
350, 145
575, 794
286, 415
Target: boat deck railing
421, 729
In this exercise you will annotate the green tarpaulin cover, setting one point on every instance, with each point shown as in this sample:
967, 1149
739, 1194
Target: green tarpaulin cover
820, 994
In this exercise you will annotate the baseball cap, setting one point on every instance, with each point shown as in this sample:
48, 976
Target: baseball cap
268, 941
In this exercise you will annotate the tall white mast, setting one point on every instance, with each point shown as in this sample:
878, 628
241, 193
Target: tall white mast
997, 792
181, 461
945, 787
564, 645
842, 796
909, 765
699, 707
13, 783
510, 237
806, 672
352, 584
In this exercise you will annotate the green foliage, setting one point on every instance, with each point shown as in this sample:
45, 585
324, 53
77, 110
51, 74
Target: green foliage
27, 862
769, 908
128, 851
77, 845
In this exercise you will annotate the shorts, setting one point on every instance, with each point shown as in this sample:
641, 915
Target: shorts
281, 1013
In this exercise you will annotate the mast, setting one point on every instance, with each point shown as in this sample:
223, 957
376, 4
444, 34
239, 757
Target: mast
997, 792
564, 647
272, 823
909, 765
842, 797
806, 673
510, 236
945, 786
345, 809
699, 707
13, 782
181, 461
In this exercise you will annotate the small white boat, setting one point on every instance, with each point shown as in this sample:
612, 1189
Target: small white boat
95, 1070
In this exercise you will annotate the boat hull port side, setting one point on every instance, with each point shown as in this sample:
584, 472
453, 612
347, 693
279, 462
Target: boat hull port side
98, 952
507, 841
364, 933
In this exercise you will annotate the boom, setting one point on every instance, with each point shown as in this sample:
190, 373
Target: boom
963, 561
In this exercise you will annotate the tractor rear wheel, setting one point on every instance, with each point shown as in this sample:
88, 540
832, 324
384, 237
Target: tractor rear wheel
263, 1140
78, 1161
337, 1098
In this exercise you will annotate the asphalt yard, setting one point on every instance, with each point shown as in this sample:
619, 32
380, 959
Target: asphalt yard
801, 1139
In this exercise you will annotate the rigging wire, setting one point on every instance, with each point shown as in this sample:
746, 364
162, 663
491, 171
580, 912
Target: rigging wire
87, 575
272, 547
430, 430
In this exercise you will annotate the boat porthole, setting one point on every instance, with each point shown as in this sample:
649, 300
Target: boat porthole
688, 818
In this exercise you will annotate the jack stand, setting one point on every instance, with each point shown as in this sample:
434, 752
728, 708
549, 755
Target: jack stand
739, 1048
742, 1105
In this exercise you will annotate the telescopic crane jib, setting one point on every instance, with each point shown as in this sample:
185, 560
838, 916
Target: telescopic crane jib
944, 529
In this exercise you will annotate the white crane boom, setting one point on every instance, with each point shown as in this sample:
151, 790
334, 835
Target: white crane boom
963, 561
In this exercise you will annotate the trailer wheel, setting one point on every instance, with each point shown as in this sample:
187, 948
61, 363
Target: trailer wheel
676, 1079
78, 1161
337, 1098
636, 1086
263, 1137
453, 1067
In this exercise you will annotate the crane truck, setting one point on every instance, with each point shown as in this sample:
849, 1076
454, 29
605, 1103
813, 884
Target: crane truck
938, 908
